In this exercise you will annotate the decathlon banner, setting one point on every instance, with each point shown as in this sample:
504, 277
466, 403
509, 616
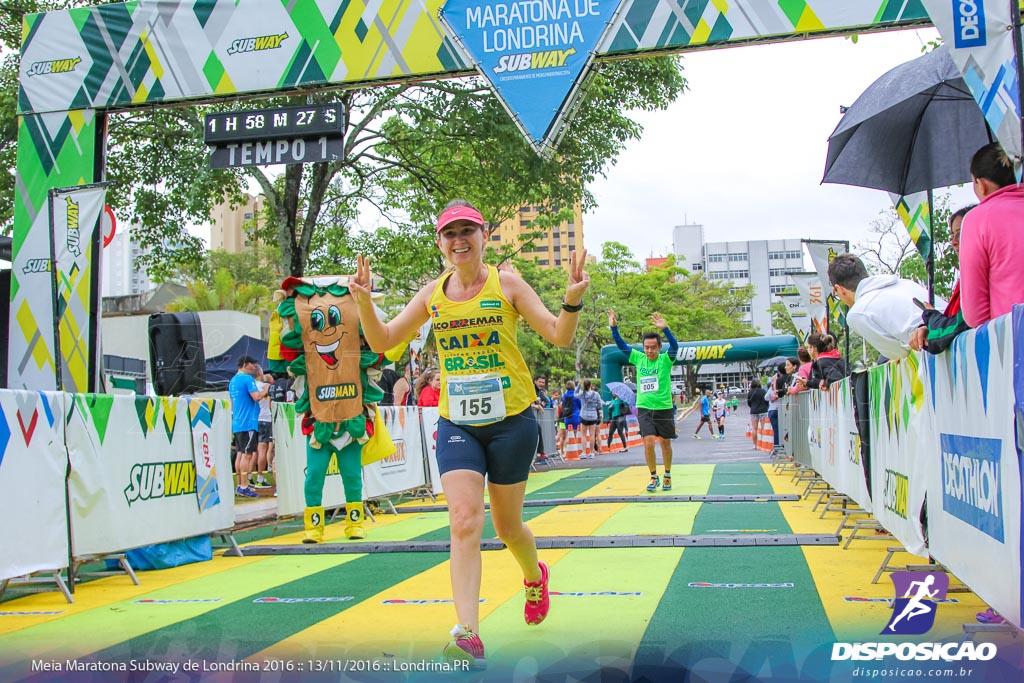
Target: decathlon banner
980, 40
210, 420
834, 442
290, 465
900, 424
916, 215
974, 476
33, 464
812, 296
76, 213
535, 55
405, 469
429, 418
133, 476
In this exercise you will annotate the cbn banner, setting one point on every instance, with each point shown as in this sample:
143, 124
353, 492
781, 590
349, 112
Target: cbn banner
76, 213
211, 441
133, 473
403, 470
33, 463
812, 297
974, 480
900, 467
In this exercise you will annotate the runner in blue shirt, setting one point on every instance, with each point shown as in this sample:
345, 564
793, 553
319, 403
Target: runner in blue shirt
245, 412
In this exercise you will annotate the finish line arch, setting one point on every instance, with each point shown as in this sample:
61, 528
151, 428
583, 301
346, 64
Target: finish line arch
79, 64
719, 351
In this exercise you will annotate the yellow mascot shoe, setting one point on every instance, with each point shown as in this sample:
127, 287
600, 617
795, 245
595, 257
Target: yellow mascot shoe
354, 521
313, 520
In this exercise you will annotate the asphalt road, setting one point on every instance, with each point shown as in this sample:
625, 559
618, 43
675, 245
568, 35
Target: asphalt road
735, 447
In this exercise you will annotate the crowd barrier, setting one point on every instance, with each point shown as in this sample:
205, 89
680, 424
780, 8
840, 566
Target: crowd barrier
121, 472
930, 446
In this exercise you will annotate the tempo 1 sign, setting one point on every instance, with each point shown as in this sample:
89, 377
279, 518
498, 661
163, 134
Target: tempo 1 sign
269, 152
308, 121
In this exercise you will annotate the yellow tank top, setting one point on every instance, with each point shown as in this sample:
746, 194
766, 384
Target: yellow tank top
479, 336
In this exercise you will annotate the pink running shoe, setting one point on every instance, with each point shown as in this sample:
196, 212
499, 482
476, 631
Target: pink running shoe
989, 616
537, 600
466, 647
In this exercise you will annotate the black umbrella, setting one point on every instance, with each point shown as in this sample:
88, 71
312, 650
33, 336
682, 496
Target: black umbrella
772, 362
914, 129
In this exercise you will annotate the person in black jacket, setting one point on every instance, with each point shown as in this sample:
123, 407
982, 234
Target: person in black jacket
827, 365
758, 407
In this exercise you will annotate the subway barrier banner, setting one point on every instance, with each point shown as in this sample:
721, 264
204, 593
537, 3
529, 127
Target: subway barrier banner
33, 463
899, 465
974, 487
133, 476
405, 469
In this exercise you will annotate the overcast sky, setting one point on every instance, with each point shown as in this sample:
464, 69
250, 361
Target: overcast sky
742, 152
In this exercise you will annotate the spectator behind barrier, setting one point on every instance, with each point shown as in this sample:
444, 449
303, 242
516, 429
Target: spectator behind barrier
827, 365
882, 308
990, 271
940, 329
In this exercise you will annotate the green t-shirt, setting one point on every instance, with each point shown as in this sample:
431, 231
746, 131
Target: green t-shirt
653, 380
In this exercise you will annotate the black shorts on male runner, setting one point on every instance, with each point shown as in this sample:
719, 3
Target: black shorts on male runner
659, 423
245, 442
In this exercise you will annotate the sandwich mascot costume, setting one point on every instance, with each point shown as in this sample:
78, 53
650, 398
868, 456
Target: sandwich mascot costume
321, 345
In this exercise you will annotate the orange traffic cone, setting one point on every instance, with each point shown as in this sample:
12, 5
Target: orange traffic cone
749, 435
765, 436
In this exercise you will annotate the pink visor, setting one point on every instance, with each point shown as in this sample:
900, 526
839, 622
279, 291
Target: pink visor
459, 213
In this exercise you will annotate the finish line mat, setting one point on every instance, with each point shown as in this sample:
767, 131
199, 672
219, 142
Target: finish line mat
742, 612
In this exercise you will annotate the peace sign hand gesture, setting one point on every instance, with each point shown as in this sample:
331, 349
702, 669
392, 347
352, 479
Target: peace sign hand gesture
579, 279
359, 285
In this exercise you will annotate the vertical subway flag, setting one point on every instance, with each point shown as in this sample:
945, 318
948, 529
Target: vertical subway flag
76, 213
812, 295
917, 218
980, 41
535, 55
822, 252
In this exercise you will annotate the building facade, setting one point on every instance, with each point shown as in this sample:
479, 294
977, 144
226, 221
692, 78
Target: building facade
119, 276
551, 248
765, 264
229, 227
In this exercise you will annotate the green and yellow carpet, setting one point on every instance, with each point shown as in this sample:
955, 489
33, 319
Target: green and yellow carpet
664, 612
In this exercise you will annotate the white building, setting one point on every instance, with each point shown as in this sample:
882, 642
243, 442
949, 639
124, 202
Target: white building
120, 277
766, 264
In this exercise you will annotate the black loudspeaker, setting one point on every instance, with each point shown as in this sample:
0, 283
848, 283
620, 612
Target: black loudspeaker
176, 353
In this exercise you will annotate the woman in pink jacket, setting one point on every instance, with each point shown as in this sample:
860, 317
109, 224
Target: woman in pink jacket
991, 240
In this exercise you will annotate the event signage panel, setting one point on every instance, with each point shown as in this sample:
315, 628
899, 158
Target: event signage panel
267, 152
535, 54
306, 121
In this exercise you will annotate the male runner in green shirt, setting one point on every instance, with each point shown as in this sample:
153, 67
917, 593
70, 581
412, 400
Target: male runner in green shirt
655, 412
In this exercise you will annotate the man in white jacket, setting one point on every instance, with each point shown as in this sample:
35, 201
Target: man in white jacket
882, 308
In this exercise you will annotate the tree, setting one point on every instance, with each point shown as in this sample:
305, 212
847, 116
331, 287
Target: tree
225, 294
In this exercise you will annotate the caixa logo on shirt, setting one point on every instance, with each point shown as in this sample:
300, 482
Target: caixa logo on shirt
969, 23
